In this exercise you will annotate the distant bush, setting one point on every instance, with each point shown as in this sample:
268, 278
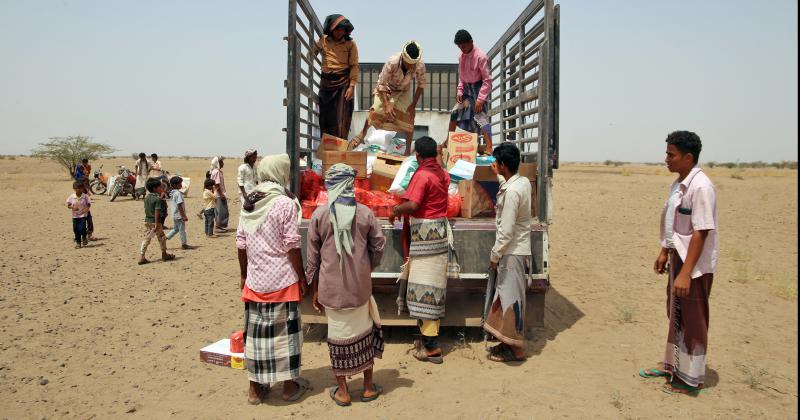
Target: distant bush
711, 164
613, 162
186, 157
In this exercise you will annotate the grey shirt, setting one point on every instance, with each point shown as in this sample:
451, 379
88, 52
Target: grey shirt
350, 286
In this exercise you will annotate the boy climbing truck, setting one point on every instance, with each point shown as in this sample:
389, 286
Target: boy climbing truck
522, 108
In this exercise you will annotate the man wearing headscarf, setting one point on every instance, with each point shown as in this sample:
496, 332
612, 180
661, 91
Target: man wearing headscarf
339, 76
246, 176
426, 240
392, 105
345, 243
222, 199
273, 283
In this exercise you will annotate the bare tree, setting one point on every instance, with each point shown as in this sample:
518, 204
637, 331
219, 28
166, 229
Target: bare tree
69, 151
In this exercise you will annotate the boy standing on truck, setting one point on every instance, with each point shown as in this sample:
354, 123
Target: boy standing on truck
392, 105
339, 75
689, 248
474, 85
510, 257
426, 241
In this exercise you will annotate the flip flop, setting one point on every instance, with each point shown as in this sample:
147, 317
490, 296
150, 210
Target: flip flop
378, 391
302, 387
423, 357
338, 402
681, 389
168, 257
652, 373
495, 349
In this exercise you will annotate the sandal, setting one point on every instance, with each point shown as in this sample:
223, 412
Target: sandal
422, 355
168, 257
143, 261
378, 392
302, 387
338, 402
495, 349
681, 389
505, 355
652, 373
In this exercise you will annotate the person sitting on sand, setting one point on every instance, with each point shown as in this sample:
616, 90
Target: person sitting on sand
273, 283
155, 211
345, 243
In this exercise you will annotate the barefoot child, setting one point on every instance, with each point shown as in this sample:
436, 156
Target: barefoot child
209, 207
178, 212
154, 209
78, 202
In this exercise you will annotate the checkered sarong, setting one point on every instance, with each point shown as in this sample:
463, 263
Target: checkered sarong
273, 340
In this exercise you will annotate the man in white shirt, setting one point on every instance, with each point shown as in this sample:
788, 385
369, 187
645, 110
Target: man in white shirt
155, 166
689, 248
246, 177
510, 256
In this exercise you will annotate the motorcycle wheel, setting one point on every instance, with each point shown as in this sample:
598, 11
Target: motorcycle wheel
115, 193
97, 187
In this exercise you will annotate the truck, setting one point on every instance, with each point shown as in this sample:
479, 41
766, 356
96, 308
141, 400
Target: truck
523, 108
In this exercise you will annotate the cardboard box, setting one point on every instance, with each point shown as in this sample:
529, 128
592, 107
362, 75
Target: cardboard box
461, 146
333, 143
358, 160
475, 200
383, 173
219, 354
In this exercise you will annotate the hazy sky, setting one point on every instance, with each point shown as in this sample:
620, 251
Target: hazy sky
206, 77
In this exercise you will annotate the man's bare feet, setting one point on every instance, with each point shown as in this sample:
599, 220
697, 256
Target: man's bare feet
254, 393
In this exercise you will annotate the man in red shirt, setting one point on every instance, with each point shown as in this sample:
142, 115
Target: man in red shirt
426, 240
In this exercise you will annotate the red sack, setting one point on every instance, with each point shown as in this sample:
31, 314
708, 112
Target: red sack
308, 208
322, 198
363, 196
362, 183
237, 342
454, 205
310, 185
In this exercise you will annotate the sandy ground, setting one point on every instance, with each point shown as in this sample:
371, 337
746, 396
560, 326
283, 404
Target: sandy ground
88, 334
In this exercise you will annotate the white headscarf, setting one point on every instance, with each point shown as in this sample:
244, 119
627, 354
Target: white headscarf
273, 176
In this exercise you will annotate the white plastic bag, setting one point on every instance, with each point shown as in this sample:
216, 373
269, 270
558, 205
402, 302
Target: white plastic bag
380, 138
396, 187
462, 170
397, 146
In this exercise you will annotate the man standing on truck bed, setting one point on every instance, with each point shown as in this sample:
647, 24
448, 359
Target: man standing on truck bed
426, 240
689, 247
474, 85
393, 108
339, 76
510, 256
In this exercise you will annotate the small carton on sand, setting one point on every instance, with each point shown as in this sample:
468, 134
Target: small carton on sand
219, 354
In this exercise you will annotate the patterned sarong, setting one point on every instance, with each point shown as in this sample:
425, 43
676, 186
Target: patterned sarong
687, 340
426, 270
401, 101
273, 340
507, 313
465, 116
355, 338
335, 113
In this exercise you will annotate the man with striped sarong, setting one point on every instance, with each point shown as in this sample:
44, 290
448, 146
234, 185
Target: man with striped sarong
426, 241
345, 243
273, 283
689, 249
472, 94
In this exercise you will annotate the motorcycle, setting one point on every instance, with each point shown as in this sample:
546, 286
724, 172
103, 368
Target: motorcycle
124, 184
99, 184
